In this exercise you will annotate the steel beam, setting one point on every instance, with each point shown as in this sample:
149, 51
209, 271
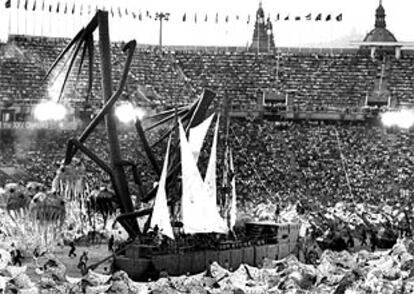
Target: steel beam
119, 182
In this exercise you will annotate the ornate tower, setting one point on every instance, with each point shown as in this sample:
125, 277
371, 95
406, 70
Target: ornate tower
380, 16
270, 37
380, 32
380, 39
263, 39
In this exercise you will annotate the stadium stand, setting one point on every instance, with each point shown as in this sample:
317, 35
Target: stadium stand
311, 79
282, 158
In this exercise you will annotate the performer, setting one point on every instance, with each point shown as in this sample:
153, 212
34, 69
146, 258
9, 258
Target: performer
350, 242
16, 255
72, 249
111, 243
36, 253
373, 240
277, 212
83, 261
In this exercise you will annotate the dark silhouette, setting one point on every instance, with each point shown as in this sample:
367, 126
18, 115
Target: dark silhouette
111, 243
72, 249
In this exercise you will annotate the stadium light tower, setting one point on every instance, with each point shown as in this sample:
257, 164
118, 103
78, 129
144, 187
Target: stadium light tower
161, 16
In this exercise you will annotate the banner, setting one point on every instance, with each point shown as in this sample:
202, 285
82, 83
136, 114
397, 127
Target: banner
36, 125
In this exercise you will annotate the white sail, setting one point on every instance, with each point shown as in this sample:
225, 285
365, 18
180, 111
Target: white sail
210, 186
233, 204
160, 215
194, 208
192, 187
197, 135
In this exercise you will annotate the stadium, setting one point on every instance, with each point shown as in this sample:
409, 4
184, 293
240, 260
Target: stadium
300, 164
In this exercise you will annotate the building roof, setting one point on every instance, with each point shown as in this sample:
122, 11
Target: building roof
380, 32
380, 35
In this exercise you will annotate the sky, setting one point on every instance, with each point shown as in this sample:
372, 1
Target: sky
358, 17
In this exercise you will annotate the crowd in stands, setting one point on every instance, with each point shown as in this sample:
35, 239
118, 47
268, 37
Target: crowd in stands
328, 162
274, 161
280, 161
310, 79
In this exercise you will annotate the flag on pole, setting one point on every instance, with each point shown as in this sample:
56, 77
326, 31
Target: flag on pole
297, 18
140, 16
126, 11
205, 19
50, 7
195, 17
287, 17
318, 17
112, 12
248, 19
25, 5
58, 7
119, 11
277, 17
216, 17
7, 4
339, 17
227, 18
34, 6
328, 18
184, 17
73, 8
309, 16
237, 17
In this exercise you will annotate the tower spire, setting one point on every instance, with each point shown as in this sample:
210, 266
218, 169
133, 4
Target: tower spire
380, 16
263, 39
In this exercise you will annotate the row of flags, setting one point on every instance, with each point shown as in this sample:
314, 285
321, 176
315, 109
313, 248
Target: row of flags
318, 17
140, 16
37, 4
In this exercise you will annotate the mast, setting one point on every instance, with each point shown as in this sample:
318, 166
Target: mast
227, 116
226, 172
119, 182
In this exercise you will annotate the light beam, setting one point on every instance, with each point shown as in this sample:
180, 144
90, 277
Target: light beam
127, 113
50, 111
403, 119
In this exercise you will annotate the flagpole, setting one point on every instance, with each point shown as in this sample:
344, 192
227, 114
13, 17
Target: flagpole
161, 16
9, 10
258, 41
25, 20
